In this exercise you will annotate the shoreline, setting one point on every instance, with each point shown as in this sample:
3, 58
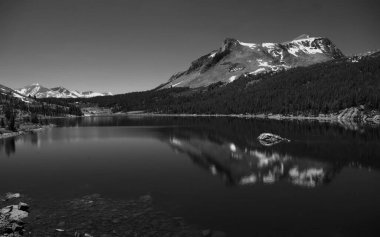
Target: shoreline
25, 131
333, 118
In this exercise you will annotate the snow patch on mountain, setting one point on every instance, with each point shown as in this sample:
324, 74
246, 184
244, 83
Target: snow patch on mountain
260, 70
212, 55
269, 45
176, 84
233, 78
249, 45
22, 98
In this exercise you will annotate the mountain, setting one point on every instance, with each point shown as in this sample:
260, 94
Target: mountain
57, 92
235, 58
62, 92
337, 89
8, 91
13, 102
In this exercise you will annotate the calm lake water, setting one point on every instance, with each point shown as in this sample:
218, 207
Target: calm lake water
211, 171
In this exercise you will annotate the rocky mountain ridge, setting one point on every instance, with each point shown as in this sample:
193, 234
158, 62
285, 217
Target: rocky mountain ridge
39, 91
235, 58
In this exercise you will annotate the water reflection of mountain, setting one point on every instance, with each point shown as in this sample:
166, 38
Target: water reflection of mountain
314, 145
244, 166
229, 148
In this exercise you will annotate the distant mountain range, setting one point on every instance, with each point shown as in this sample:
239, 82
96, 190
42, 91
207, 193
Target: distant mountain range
236, 58
23, 106
39, 91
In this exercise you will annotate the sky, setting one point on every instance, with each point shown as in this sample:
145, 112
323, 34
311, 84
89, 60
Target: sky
132, 45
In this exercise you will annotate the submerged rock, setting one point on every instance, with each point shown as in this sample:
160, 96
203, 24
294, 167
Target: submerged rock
269, 139
146, 198
94, 215
10, 196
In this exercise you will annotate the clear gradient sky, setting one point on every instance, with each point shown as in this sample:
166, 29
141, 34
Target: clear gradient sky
131, 45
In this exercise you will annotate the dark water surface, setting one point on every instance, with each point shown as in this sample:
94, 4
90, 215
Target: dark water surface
211, 171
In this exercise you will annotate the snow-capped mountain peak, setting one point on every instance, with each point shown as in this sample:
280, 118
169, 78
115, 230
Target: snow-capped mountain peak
38, 91
32, 90
236, 58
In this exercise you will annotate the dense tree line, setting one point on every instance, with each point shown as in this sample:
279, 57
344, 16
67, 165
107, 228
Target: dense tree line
14, 111
145, 100
321, 88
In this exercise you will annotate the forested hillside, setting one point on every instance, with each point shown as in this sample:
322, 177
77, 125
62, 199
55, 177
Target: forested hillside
14, 110
321, 88
59, 108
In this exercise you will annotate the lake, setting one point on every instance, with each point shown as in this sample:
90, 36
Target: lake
213, 172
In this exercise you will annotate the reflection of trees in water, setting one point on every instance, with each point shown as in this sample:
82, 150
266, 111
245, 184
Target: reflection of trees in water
96, 121
33, 138
8, 146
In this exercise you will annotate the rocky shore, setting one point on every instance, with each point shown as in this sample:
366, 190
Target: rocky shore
24, 129
95, 216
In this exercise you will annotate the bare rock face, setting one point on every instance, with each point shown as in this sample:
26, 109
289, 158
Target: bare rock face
269, 139
235, 58
358, 114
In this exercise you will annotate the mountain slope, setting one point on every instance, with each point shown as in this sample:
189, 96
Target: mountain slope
323, 88
330, 88
235, 58
8, 91
61, 92
38, 91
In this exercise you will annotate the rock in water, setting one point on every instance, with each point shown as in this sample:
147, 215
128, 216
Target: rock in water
11, 219
146, 198
269, 139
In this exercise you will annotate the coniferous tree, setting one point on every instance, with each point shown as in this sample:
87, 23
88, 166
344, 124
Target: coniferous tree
2, 123
12, 123
34, 118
